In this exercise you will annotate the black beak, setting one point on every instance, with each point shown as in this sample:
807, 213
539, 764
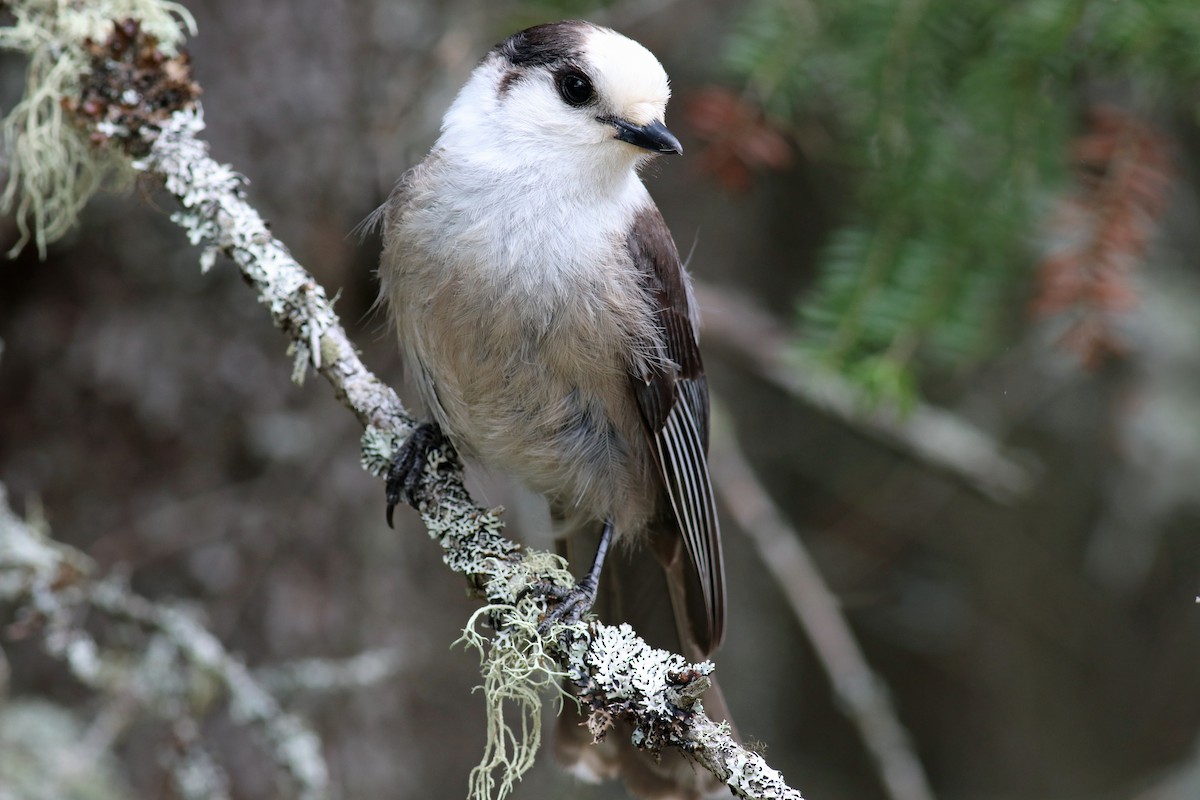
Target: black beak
654, 137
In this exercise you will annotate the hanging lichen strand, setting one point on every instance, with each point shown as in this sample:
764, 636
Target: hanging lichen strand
52, 168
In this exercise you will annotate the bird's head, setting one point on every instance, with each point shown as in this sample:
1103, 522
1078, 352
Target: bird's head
565, 91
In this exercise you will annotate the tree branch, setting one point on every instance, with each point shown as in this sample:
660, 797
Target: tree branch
928, 434
53, 584
615, 672
864, 697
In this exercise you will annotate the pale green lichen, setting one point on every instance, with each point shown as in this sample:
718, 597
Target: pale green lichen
506, 581
516, 671
516, 666
52, 168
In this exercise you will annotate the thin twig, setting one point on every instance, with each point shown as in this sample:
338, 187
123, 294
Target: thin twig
324, 676
863, 695
54, 585
1180, 782
928, 434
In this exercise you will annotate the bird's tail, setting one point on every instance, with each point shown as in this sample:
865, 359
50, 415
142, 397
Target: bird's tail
647, 585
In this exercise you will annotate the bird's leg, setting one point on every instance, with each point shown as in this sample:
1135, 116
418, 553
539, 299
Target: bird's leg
408, 467
574, 602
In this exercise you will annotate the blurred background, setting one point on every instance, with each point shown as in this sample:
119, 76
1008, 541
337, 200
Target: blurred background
948, 258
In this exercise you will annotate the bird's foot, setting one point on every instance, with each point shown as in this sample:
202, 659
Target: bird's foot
407, 471
570, 603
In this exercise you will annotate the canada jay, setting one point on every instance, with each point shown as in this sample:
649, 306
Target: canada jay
551, 330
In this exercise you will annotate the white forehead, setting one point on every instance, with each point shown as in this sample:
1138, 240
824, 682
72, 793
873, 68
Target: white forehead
627, 75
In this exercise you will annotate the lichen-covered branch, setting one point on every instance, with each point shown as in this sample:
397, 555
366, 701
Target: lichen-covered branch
324, 676
51, 169
176, 669
616, 673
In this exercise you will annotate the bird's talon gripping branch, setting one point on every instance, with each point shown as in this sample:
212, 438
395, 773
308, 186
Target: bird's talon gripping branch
574, 601
407, 472
571, 602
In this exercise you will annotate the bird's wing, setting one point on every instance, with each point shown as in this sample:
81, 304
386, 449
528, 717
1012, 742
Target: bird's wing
672, 397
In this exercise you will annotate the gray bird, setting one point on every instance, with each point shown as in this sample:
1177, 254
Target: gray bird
550, 328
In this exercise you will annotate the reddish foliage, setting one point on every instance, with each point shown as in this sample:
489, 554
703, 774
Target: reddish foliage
738, 138
1102, 231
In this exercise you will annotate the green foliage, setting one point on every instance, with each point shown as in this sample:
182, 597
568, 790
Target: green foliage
956, 117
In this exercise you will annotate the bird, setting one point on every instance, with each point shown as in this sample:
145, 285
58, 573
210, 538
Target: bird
549, 325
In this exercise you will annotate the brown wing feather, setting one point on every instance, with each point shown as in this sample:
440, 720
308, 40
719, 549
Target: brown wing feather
673, 400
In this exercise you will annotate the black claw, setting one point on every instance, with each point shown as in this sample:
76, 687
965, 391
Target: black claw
576, 601
570, 603
408, 467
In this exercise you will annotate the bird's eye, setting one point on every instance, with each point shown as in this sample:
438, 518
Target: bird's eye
576, 89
